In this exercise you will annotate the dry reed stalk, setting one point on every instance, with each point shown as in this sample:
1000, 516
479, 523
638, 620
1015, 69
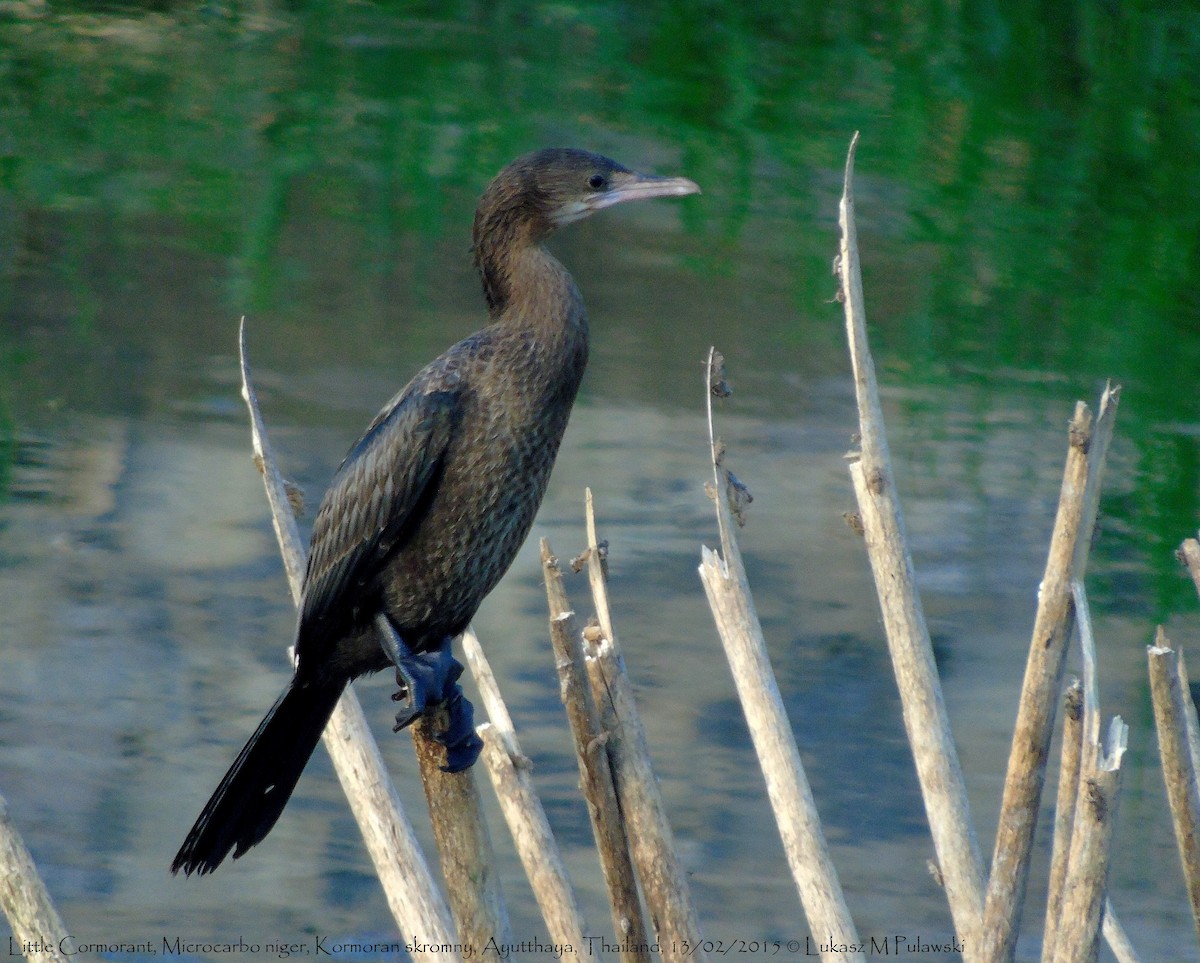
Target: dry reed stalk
535, 844
1089, 738
463, 841
925, 720
1091, 677
489, 691
412, 896
509, 770
595, 776
668, 899
796, 815
1064, 812
37, 930
1035, 715
1171, 700
677, 928
1078, 938
1115, 936
1065, 564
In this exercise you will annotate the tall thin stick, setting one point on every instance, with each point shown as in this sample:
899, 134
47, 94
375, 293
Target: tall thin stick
925, 719
1066, 562
1064, 812
1084, 730
791, 798
413, 897
677, 928
463, 841
38, 932
1170, 717
595, 775
1115, 936
1091, 675
535, 845
509, 770
1078, 937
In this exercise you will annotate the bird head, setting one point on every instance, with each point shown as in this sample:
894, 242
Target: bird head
547, 189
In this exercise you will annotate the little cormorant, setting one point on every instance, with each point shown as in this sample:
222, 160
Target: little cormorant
431, 504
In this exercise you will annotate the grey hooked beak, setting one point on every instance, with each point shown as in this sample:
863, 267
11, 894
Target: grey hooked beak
632, 186
626, 186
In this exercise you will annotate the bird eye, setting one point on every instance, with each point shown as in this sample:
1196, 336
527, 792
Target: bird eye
596, 181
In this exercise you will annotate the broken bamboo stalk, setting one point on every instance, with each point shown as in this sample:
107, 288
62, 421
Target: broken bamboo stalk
1064, 812
535, 845
595, 775
1083, 903
1090, 749
509, 770
668, 897
925, 720
38, 932
1170, 700
464, 844
1066, 562
796, 816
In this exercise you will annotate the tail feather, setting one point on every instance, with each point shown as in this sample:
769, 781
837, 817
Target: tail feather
251, 797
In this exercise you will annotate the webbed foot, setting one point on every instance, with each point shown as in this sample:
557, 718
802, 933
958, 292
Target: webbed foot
426, 680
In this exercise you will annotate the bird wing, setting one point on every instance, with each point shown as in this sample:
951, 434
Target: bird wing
377, 495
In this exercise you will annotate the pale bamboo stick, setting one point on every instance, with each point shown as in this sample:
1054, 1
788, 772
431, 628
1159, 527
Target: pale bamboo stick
1111, 928
1087, 873
412, 896
38, 932
1171, 700
1115, 936
1064, 812
668, 897
925, 720
796, 816
1066, 562
1091, 677
490, 695
535, 845
510, 772
463, 841
595, 776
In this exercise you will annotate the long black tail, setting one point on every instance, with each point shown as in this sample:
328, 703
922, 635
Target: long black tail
258, 785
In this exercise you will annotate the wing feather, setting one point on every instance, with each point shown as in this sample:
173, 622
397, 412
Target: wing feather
373, 503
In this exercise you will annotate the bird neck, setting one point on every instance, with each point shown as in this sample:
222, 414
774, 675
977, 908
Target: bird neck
527, 286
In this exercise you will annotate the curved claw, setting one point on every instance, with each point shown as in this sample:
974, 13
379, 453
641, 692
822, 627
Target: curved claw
407, 716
